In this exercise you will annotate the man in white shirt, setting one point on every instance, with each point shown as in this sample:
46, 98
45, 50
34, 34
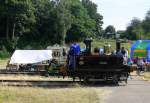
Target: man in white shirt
140, 64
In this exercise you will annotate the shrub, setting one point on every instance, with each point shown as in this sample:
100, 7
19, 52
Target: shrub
4, 53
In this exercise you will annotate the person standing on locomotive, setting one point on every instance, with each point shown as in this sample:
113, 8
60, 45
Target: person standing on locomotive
124, 53
74, 50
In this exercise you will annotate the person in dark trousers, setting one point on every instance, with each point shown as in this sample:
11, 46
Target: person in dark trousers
140, 64
123, 51
74, 50
64, 52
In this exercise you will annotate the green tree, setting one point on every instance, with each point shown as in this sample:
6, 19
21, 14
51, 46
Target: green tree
92, 12
19, 16
122, 34
39, 23
109, 31
146, 24
82, 25
63, 19
42, 31
135, 30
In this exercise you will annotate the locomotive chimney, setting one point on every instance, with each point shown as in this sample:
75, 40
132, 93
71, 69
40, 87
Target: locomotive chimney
87, 42
117, 46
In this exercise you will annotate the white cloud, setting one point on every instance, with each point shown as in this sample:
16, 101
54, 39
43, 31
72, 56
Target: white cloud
120, 12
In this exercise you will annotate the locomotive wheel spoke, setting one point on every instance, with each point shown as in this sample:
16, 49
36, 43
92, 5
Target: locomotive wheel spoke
115, 79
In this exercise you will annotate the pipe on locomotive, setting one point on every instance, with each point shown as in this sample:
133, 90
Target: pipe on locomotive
88, 42
118, 46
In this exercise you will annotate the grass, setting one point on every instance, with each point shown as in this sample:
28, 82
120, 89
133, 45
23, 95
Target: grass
146, 76
3, 63
43, 95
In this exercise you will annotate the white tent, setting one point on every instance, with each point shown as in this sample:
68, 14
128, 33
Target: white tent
30, 56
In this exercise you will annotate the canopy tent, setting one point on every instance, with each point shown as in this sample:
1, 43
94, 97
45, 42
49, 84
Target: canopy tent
30, 56
141, 49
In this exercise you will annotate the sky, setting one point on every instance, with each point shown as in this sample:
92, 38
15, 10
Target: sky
119, 13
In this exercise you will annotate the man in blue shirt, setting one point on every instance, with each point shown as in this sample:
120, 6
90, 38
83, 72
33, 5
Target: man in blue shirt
74, 50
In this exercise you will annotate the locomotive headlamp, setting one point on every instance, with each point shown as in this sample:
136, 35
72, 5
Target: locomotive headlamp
81, 62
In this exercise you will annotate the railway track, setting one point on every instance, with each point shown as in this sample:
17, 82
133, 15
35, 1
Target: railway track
32, 83
10, 72
37, 83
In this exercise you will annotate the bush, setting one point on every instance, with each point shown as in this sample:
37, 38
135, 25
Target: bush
4, 53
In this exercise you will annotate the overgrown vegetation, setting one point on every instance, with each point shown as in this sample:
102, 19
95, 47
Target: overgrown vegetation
35, 24
41, 95
138, 29
4, 53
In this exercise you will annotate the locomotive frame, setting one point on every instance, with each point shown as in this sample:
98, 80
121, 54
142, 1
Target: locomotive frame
100, 67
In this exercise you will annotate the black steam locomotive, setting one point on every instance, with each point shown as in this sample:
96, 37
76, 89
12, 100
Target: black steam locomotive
91, 67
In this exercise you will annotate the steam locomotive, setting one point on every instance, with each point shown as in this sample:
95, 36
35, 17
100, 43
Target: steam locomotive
92, 67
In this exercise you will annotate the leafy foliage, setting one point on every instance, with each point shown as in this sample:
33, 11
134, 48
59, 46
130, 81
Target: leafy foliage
82, 25
134, 29
17, 16
109, 31
39, 23
92, 12
139, 29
